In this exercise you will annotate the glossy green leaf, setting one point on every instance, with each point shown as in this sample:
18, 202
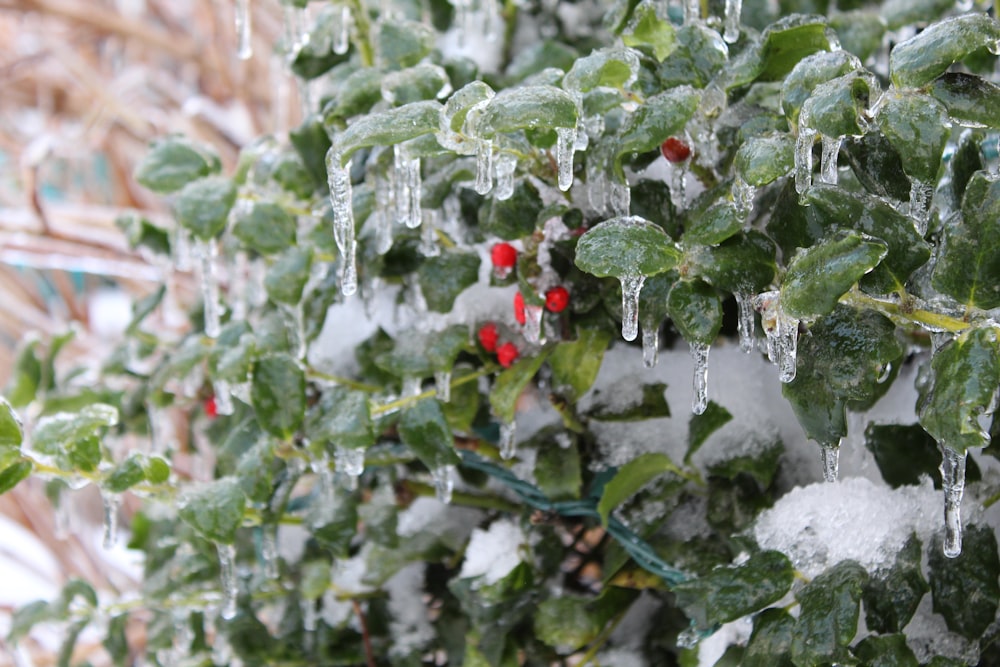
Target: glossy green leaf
570, 622
359, 93
817, 277
155, 469
387, 128
927, 55
334, 524
860, 31
968, 269
626, 246
970, 99
765, 158
728, 593
173, 162
457, 108
14, 474
526, 108
963, 379
11, 432
203, 206
917, 126
28, 616
413, 84
770, 643
311, 141
828, 617
557, 465
611, 67
905, 453
899, 13
661, 116
631, 477
965, 589
266, 228
700, 427
695, 308
575, 364
511, 382
418, 355
716, 224
877, 166
287, 277
402, 43
214, 509
839, 107
278, 394
808, 73
789, 40
742, 263
892, 595
72, 435
444, 277
647, 29
423, 428
512, 218
125, 475
700, 54
341, 419
885, 651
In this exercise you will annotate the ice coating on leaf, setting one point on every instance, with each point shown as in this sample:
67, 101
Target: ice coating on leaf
782, 334
745, 323
732, 21
223, 397
269, 551
508, 445
830, 458
828, 162
444, 482
227, 573
804, 158
244, 46
743, 195
920, 196
343, 220
342, 37
650, 346
631, 288
565, 145
350, 462
620, 197
111, 501
205, 251
533, 323
699, 355
442, 383
484, 166
505, 166
412, 386
953, 483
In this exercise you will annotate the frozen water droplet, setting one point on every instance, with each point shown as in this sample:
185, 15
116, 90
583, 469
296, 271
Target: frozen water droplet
650, 346
444, 482
830, 456
350, 462
565, 143
269, 551
205, 251
744, 304
442, 382
508, 447
953, 483
342, 37
743, 195
692, 11
505, 166
699, 355
343, 220
828, 161
112, 501
631, 287
223, 397
484, 166
227, 572
533, 324
920, 197
804, 157
244, 46
621, 198
732, 23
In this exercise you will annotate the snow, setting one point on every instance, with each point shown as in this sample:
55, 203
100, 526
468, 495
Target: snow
493, 553
711, 648
410, 626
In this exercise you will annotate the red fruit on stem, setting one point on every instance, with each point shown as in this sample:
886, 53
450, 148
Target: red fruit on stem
488, 337
556, 299
211, 409
675, 150
519, 308
506, 354
504, 255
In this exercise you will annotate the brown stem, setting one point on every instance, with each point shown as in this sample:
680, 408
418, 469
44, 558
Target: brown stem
365, 637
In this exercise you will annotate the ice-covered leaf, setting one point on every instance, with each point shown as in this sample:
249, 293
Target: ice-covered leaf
357, 95
125, 475
423, 428
892, 595
877, 166
557, 466
334, 524
74, 438
418, 354
899, 13
905, 453
965, 589
790, 39
612, 67
828, 617
651, 403
413, 84
917, 126
728, 593
203, 206
173, 162
14, 474
341, 419
444, 277
770, 643
402, 43
742, 263
860, 31
885, 651
311, 141
699, 55
278, 394
11, 432
964, 377
765, 158
661, 116
717, 223
696, 310
970, 99
968, 269
808, 73
266, 228
575, 363
647, 30
526, 108
700, 427
839, 107
817, 277
511, 382
388, 128
631, 477
214, 509
626, 246
927, 55
287, 277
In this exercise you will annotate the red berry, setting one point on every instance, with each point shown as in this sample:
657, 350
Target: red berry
504, 255
488, 336
519, 308
556, 299
210, 408
506, 354
675, 150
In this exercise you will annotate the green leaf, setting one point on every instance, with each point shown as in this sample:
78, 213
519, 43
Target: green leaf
413, 84
631, 477
758, 459
173, 162
27, 617
885, 651
456, 109
423, 428
575, 364
717, 223
512, 218
765, 158
334, 524
557, 466
444, 277
403, 43
646, 29
569, 622
790, 39
965, 589
877, 166
612, 67
546, 55
26, 377
728, 593
203, 206
356, 96
967, 268
511, 382
696, 310
892, 595
125, 475
311, 141
14, 474
839, 107
702, 426
970, 100
741, 263
626, 246
141, 233
828, 617
387, 128
661, 116
770, 643
74, 438
700, 55
860, 32
810, 72
417, 354
214, 509
650, 403
116, 642
341, 418
927, 55
905, 453
817, 277
155, 469
11, 432
266, 228
899, 13
526, 108
278, 394
918, 128
287, 277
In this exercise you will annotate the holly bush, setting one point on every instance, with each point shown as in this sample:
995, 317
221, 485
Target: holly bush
479, 199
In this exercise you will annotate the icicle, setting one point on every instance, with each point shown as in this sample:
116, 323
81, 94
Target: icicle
743, 195
342, 38
223, 397
244, 46
804, 157
444, 482
350, 462
650, 346
692, 11
343, 220
533, 324
484, 166
489, 9
744, 304
508, 446
782, 334
699, 354
414, 190
383, 218
597, 185
462, 20
621, 198
442, 382
920, 195
565, 142
678, 186
205, 251
505, 165
830, 455
309, 616
828, 161
631, 287
182, 249
406, 186
112, 501
428, 233
227, 567
63, 520
161, 430
269, 551
953, 482
732, 24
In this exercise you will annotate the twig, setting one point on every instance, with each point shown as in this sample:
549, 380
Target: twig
365, 636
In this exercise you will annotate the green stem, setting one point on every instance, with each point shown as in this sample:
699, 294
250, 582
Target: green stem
464, 499
601, 640
363, 32
400, 403
896, 312
346, 382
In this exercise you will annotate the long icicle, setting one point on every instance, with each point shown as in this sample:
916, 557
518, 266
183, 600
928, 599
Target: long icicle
343, 220
953, 483
699, 355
